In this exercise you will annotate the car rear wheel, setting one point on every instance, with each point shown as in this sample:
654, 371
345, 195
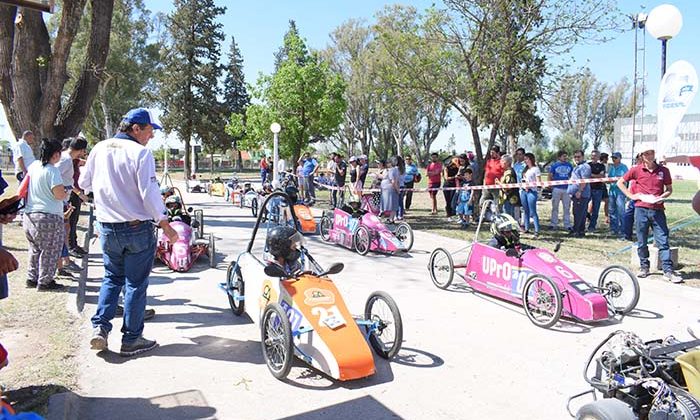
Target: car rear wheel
404, 233
620, 288
361, 240
199, 218
254, 207
542, 301
212, 251
235, 289
606, 409
386, 337
441, 268
324, 229
276, 335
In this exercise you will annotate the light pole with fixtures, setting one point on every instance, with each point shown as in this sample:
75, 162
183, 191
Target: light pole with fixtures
275, 128
663, 23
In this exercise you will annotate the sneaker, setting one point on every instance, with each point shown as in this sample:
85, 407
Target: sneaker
99, 339
643, 273
78, 250
139, 346
62, 272
673, 277
31, 284
50, 287
72, 266
536, 236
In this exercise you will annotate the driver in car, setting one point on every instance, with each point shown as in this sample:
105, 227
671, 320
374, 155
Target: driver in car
175, 213
284, 244
505, 233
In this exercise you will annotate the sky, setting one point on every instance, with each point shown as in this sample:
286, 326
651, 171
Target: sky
259, 27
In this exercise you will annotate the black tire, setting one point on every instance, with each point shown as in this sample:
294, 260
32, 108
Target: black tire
212, 251
254, 207
386, 340
404, 233
276, 340
361, 240
687, 403
616, 280
441, 262
606, 409
235, 287
240, 201
553, 296
324, 228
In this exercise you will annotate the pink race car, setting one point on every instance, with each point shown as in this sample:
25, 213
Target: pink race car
364, 232
181, 255
535, 278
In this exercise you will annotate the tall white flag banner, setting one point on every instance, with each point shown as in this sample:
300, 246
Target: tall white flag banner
678, 88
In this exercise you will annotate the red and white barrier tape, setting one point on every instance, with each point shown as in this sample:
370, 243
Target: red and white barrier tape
488, 187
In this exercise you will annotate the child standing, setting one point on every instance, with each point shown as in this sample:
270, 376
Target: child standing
465, 205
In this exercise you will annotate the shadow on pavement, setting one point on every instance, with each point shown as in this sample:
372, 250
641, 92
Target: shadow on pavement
364, 407
205, 346
417, 358
644, 314
184, 405
305, 377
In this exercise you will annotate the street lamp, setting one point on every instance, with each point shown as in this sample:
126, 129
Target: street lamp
275, 128
664, 22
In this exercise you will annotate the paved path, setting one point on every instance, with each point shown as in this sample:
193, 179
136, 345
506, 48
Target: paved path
464, 355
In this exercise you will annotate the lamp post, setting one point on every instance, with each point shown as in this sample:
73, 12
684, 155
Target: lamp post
664, 22
275, 128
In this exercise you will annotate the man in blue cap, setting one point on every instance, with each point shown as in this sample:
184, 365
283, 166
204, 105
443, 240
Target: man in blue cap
127, 205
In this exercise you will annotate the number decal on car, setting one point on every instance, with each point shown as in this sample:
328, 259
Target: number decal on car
330, 317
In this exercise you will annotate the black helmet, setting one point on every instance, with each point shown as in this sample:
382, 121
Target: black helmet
505, 227
280, 241
292, 192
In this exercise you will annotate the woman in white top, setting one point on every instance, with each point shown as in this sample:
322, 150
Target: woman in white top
528, 195
43, 217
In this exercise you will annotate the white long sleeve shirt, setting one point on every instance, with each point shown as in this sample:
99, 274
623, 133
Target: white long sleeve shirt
122, 175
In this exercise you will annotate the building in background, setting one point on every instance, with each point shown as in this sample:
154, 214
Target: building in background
688, 142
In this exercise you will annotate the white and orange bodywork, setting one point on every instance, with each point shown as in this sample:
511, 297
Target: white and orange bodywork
307, 223
324, 332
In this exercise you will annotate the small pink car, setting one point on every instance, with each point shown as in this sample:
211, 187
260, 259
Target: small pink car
191, 243
535, 278
365, 232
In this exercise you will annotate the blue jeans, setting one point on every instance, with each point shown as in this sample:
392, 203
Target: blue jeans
528, 199
580, 208
596, 198
508, 208
263, 175
616, 208
628, 220
656, 219
128, 253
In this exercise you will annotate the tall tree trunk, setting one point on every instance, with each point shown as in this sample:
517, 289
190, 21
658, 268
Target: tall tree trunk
33, 77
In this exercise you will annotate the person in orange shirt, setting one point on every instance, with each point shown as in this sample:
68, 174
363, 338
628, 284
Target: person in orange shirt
492, 170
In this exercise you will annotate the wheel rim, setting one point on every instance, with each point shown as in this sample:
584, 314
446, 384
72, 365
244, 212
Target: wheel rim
385, 334
401, 233
440, 268
362, 243
274, 342
619, 288
541, 303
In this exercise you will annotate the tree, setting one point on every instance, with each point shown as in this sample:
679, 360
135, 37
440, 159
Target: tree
617, 103
188, 82
303, 95
236, 97
487, 58
130, 70
574, 104
33, 67
290, 41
